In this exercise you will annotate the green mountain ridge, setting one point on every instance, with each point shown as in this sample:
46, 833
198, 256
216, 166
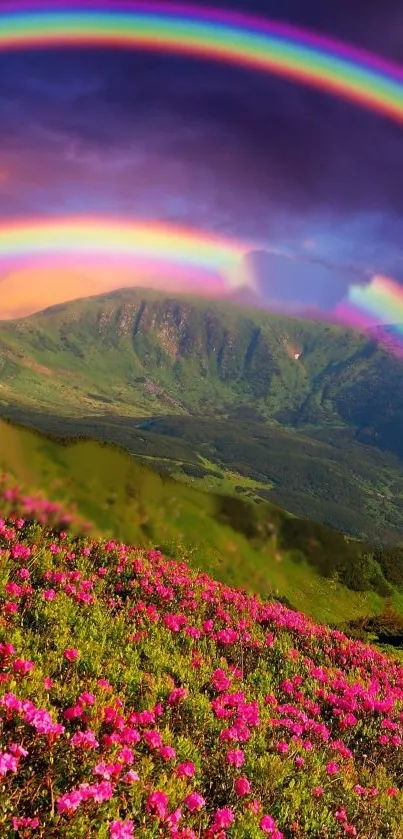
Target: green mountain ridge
310, 413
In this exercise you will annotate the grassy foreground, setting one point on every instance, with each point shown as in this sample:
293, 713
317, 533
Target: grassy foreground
142, 698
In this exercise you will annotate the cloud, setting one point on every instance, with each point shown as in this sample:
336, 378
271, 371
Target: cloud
293, 281
248, 155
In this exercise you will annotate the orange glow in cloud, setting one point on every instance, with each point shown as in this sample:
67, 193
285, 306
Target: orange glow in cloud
45, 261
28, 290
31, 289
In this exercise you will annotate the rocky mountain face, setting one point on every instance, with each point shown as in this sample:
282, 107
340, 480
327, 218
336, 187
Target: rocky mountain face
143, 353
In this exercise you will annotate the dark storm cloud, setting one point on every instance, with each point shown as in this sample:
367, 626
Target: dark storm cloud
261, 136
228, 149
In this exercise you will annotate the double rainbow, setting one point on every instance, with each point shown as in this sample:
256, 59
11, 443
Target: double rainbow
270, 47
266, 46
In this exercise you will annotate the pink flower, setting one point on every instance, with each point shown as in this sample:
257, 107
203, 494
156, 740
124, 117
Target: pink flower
332, 767
22, 666
17, 750
153, 739
47, 683
71, 654
254, 806
223, 818
49, 594
72, 713
130, 777
157, 804
194, 801
235, 757
186, 769
32, 824
10, 608
173, 820
242, 786
84, 740
121, 830
350, 830
6, 650
102, 683
126, 755
267, 824
8, 763
102, 792
220, 680
86, 698
167, 753
69, 802
282, 747
107, 770
317, 792
176, 695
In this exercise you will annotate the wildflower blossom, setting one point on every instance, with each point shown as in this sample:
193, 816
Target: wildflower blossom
157, 804
71, 654
242, 786
121, 830
194, 801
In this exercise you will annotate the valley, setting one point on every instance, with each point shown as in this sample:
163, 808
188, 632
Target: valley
213, 394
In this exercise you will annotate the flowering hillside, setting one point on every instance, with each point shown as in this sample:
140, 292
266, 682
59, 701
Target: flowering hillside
139, 698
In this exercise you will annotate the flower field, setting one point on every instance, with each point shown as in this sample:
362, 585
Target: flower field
139, 698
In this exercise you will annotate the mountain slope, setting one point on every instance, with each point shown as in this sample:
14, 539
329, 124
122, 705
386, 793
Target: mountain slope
141, 698
103, 362
258, 546
145, 352
194, 356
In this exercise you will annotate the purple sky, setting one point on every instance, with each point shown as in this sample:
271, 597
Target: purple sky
122, 134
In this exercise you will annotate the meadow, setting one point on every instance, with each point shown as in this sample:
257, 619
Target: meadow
256, 544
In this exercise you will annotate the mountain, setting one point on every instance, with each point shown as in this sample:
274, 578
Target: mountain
308, 413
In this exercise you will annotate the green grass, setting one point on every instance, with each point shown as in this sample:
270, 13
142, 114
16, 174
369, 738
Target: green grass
348, 486
180, 381
243, 544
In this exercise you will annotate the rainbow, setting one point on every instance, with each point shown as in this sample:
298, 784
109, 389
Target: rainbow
293, 53
376, 306
138, 244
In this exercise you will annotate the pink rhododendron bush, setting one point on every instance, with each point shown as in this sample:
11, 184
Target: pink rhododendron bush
141, 699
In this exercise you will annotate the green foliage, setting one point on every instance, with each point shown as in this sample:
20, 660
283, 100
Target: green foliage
257, 546
178, 380
121, 668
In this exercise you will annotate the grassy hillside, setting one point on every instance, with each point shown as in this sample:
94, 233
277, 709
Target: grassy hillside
351, 487
254, 545
214, 394
141, 698
139, 353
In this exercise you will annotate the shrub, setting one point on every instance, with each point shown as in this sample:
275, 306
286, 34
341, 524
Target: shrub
140, 698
